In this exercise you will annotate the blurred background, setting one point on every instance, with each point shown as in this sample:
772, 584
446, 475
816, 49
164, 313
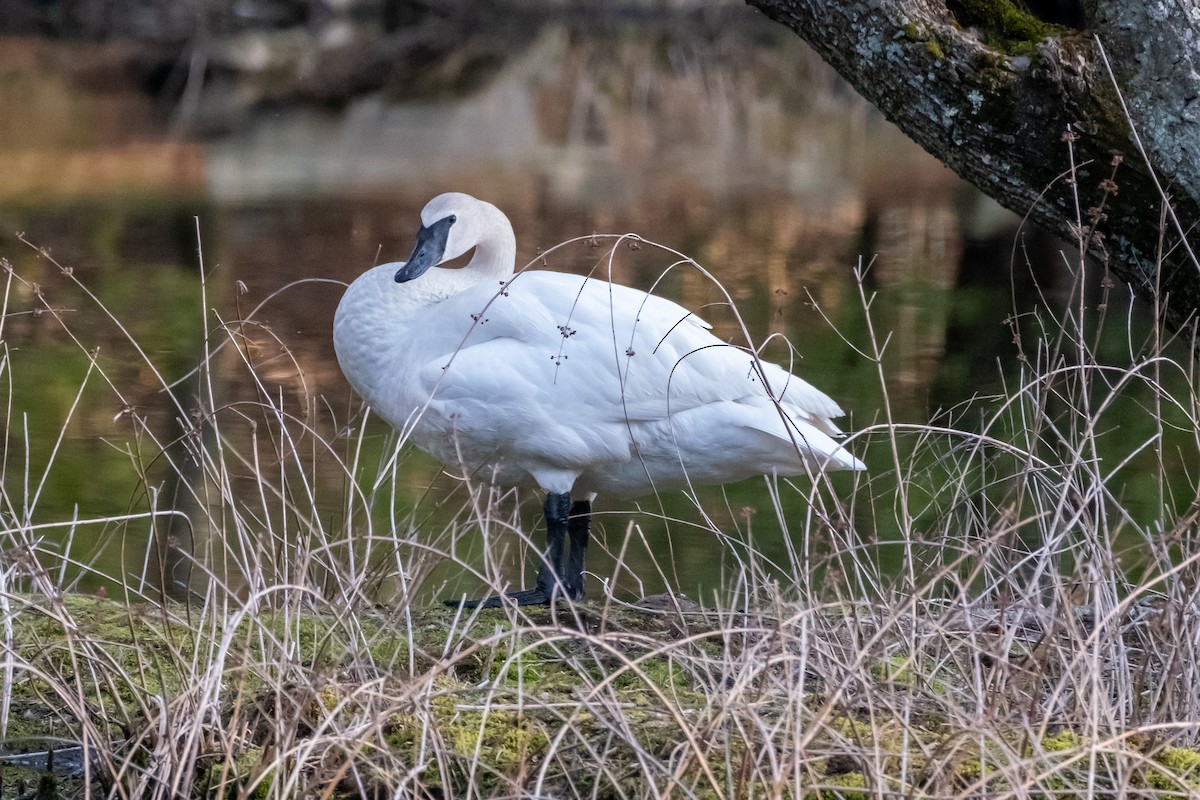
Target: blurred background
258, 144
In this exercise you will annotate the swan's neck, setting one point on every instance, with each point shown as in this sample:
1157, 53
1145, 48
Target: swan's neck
372, 320
495, 252
493, 262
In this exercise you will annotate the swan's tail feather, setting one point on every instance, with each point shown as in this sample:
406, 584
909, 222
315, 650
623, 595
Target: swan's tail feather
814, 437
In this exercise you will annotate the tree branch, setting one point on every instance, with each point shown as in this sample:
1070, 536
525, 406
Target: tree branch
992, 92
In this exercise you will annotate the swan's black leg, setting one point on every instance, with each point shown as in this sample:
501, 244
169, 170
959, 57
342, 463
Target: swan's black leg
549, 575
578, 527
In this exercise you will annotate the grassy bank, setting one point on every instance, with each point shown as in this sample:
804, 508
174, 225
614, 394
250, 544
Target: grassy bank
1004, 606
590, 701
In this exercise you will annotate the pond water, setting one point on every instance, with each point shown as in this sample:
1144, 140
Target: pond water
760, 165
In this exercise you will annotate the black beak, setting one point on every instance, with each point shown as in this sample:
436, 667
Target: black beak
429, 250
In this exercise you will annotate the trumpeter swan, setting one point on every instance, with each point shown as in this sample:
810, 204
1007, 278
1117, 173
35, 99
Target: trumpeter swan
576, 385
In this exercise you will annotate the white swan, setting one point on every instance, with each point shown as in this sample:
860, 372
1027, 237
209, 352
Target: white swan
572, 384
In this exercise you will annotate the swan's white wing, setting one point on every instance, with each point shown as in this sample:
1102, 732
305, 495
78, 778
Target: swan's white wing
601, 350
663, 352
566, 351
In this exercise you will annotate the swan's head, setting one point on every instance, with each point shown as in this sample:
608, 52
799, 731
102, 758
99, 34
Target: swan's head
451, 224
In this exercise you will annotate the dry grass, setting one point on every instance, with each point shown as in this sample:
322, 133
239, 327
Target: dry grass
1036, 633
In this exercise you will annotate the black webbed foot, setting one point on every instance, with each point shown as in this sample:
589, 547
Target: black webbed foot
525, 597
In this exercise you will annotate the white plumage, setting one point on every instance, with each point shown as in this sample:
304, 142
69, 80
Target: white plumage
570, 383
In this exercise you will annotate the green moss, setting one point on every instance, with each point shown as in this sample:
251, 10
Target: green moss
920, 34
482, 737
139, 651
852, 729
971, 769
1060, 741
502, 738
898, 671
654, 673
894, 669
247, 767
1181, 770
849, 786
1180, 760
1004, 24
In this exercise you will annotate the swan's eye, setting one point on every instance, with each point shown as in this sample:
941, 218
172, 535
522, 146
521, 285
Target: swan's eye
453, 219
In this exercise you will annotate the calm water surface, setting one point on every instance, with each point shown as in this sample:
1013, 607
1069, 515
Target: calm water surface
765, 169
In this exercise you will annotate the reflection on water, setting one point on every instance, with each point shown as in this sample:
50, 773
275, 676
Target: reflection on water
761, 167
